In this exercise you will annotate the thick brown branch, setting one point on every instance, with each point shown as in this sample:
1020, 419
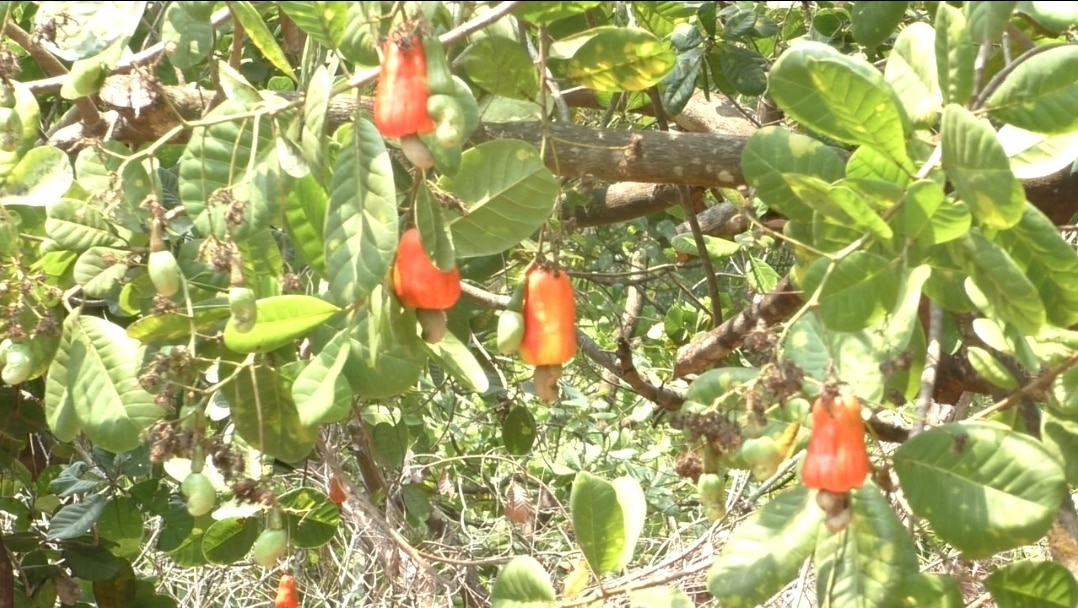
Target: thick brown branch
710, 348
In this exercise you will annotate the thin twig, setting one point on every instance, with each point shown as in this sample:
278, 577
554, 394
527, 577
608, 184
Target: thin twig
1040, 384
52, 66
928, 374
705, 259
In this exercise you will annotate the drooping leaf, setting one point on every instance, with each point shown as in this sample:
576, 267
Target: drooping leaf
41, 177
616, 59
867, 563
954, 55
1048, 261
388, 372
227, 541
78, 226
598, 522
978, 167
361, 221
215, 158
501, 66
324, 22
260, 35
911, 71
773, 152
840, 96
189, 39
457, 359
261, 406
305, 219
523, 583
76, 519
313, 140
519, 431
1037, 154
1003, 285
744, 69
434, 231
765, 552
874, 22
983, 487
680, 84
855, 292
634, 512
987, 20
281, 319
321, 392
1041, 94
1029, 583
508, 194
311, 516
97, 379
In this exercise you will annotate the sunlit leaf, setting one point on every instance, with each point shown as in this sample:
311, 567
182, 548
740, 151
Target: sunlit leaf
1041, 94
978, 167
620, 59
523, 583
1029, 583
874, 22
983, 487
261, 406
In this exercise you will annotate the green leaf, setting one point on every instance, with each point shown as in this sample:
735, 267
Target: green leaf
181, 536
929, 219
104, 169
189, 39
78, 226
76, 519
954, 55
874, 22
91, 563
866, 564
634, 508
41, 177
281, 320
434, 232
717, 248
227, 541
931, 590
260, 34
361, 222
216, 158
911, 71
840, 96
523, 583
320, 391
455, 357
507, 192
987, 20
1041, 94
773, 152
549, 12
85, 29
360, 41
313, 140
324, 22
990, 368
100, 270
96, 376
1036, 154
867, 163
839, 202
395, 369
978, 167
616, 59
311, 517
1054, 16
1028, 583
501, 66
983, 487
305, 219
598, 522
660, 597
744, 69
680, 84
1048, 261
261, 406
1060, 437
177, 326
765, 552
1004, 285
760, 276
861, 289
519, 431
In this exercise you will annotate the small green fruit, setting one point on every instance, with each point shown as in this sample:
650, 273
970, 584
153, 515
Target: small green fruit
200, 494
164, 272
510, 331
18, 365
244, 307
763, 456
711, 490
269, 547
